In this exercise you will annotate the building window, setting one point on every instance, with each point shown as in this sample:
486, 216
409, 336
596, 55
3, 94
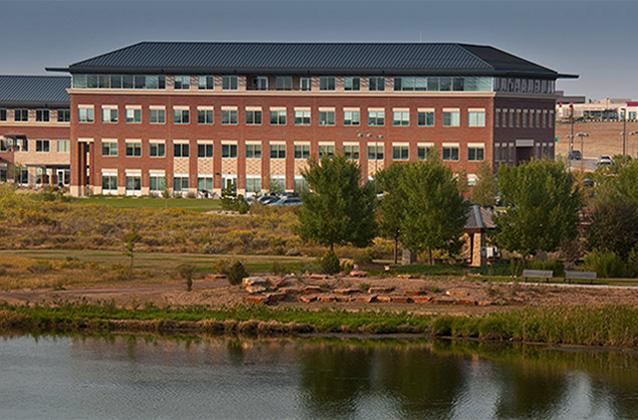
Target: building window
253, 151
22, 115
229, 117
109, 183
205, 183
425, 118
204, 116
352, 83
253, 117
133, 183
42, 145
109, 148
401, 118
3, 114
253, 184
278, 117
133, 149
302, 117
181, 150
157, 150
42, 115
305, 83
471, 179
229, 150
326, 118
475, 153
376, 83
182, 82
181, 116
260, 83
133, 115
351, 151
62, 146
376, 118
119, 81
302, 151
158, 116
351, 117
180, 183
327, 83
400, 152
476, 118
205, 82
110, 115
326, 150
204, 150
450, 153
157, 183
422, 151
283, 82
230, 83
375, 151
451, 118
277, 151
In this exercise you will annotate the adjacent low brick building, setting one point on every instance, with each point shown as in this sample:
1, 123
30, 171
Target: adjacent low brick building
184, 117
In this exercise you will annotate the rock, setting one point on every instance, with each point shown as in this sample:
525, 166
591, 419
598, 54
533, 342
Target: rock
401, 299
358, 273
256, 300
366, 298
316, 276
215, 276
291, 290
256, 289
443, 300
384, 299
272, 298
346, 291
254, 281
380, 289
407, 276
311, 289
418, 292
458, 292
465, 302
484, 302
421, 299
327, 298
307, 298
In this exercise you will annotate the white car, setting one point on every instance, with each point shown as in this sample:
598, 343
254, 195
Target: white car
604, 160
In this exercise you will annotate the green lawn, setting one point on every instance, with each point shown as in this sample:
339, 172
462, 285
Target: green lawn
157, 261
153, 203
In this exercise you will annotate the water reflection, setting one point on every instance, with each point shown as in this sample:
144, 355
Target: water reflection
134, 377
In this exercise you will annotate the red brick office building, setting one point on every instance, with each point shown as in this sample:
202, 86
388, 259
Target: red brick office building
202, 116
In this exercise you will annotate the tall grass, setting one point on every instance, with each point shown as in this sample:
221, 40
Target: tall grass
615, 326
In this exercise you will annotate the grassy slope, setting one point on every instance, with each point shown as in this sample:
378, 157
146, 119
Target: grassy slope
152, 203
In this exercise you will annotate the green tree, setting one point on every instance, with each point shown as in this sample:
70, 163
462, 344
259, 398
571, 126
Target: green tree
186, 272
486, 188
614, 227
130, 240
336, 209
434, 210
543, 204
390, 208
623, 186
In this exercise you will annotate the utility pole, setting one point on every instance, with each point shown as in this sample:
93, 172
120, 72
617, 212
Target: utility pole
624, 131
571, 132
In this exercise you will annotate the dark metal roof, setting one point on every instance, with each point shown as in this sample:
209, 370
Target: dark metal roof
34, 91
479, 218
316, 58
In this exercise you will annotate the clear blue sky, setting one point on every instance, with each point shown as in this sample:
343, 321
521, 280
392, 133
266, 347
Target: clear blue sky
596, 39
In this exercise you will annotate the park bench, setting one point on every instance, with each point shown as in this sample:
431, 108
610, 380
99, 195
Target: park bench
538, 274
580, 275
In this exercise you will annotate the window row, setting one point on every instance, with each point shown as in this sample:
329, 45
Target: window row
278, 116
524, 118
41, 115
39, 145
321, 83
301, 151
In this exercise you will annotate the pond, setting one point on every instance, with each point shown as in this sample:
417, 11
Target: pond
125, 376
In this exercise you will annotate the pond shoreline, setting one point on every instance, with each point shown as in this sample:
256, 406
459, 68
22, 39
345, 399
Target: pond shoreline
604, 326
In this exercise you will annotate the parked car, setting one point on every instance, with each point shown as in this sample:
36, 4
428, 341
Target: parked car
575, 155
604, 160
588, 182
287, 201
267, 199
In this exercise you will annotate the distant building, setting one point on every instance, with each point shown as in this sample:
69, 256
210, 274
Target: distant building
608, 109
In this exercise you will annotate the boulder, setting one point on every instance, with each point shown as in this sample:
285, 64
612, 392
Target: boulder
443, 300
465, 302
256, 300
311, 289
328, 298
291, 290
421, 299
346, 291
273, 298
254, 281
485, 303
258, 288
380, 289
316, 276
458, 292
417, 292
366, 298
407, 276
384, 299
358, 273
307, 298
401, 299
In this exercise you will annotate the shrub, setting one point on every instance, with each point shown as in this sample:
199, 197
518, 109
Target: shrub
220, 267
186, 272
363, 258
330, 263
346, 267
236, 273
606, 264
278, 268
40, 267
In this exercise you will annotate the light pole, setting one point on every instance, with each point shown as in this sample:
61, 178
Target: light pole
624, 131
582, 135
369, 135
